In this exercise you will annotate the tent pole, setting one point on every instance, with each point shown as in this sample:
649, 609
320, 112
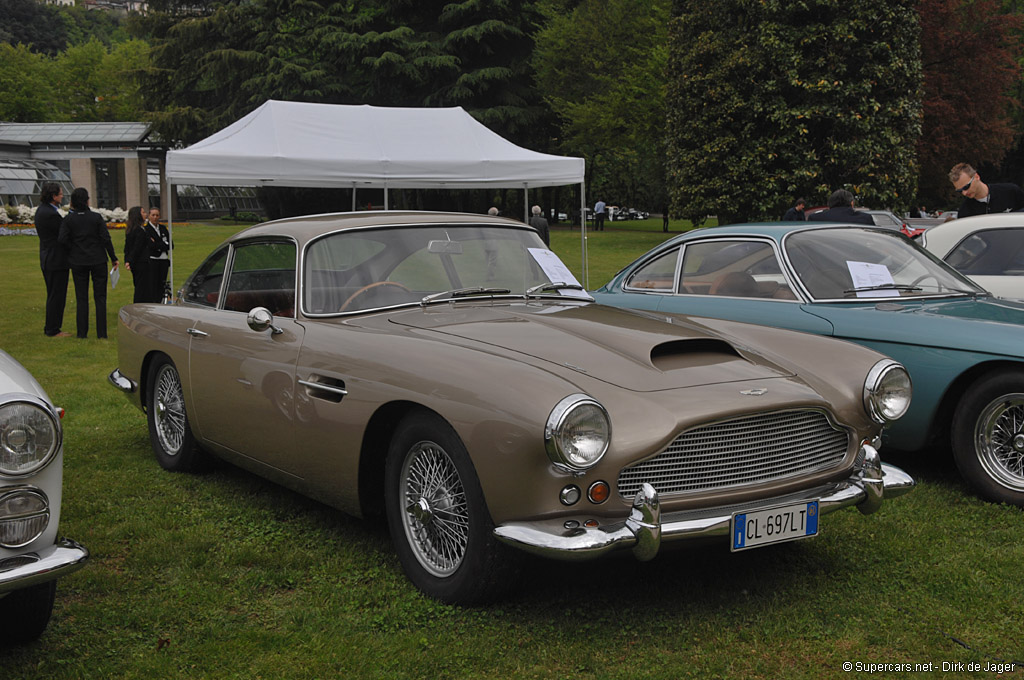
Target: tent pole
169, 202
526, 203
353, 196
385, 196
583, 232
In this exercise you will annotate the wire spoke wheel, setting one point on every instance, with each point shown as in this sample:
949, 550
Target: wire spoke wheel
999, 440
169, 410
436, 512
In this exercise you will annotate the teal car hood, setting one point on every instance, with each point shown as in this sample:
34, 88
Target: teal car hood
952, 324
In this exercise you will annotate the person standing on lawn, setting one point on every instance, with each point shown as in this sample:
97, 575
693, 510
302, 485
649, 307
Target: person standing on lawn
159, 255
136, 255
53, 257
84, 233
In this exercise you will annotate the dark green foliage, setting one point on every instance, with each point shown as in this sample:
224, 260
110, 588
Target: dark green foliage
771, 99
49, 29
215, 67
601, 67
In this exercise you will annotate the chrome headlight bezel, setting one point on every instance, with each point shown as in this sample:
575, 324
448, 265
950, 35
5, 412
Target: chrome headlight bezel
49, 420
30, 522
559, 449
882, 380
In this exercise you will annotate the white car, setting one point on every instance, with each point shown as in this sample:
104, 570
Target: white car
987, 248
32, 556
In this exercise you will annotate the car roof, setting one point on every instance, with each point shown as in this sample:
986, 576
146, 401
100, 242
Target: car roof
308, 227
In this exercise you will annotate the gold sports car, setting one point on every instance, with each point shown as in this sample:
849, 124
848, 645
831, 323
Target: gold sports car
447, 371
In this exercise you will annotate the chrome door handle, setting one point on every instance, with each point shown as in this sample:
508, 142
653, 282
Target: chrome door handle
198, 333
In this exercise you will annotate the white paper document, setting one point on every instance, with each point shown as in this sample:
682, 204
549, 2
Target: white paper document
557, 272
115, 276
867, 275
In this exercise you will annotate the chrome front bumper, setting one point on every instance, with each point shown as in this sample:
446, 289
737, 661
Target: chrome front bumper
29, 569
647, 528
122, 383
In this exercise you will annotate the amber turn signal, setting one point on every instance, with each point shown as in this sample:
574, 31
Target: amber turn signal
598, 492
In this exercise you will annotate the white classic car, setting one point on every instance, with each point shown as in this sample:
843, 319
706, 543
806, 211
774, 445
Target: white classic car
989, 249
32, 557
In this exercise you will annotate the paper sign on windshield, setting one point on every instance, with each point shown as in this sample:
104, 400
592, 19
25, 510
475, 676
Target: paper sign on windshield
556, 271
867, 275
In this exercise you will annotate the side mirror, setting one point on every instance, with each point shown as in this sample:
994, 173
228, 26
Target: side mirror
260, 319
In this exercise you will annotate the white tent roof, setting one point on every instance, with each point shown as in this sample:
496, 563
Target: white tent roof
329, 145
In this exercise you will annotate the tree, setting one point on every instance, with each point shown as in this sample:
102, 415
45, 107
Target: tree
970, 53
25, 94
770, 99
601, 66
215, 67
32, 24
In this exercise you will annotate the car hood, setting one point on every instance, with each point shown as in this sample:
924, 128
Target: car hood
632, 350
15, 378
986, 324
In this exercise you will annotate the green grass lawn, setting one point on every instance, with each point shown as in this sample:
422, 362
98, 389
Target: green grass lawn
226, 575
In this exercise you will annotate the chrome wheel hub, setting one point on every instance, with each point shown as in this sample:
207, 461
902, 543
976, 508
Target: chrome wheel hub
436, 517
999, 440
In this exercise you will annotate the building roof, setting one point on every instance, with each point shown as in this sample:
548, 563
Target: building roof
74, 133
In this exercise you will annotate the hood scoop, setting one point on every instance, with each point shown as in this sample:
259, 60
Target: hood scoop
683, 354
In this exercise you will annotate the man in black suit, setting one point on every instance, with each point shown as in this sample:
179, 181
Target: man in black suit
53, 257
840, 209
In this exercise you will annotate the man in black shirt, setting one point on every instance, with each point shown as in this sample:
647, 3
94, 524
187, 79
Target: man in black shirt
981, 198
840, 209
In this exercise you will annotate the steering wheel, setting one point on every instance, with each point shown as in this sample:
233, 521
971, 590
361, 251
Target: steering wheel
927, 275
368, 287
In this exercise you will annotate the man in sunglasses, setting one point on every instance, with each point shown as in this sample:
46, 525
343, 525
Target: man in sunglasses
981, 198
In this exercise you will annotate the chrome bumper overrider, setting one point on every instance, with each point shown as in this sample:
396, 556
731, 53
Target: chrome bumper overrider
122, 383
646, 527
29, 569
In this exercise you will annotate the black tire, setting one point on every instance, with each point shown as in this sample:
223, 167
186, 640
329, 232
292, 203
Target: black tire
169, 431
24, 613
439, 523
988, 436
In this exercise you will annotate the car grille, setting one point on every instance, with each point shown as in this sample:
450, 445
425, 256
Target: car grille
749, 450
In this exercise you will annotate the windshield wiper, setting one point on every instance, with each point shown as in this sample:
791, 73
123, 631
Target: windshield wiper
464, 292
884, 286
553, 285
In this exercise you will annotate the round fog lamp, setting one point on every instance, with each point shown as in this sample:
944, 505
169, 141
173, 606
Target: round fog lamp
570, 495
24, 515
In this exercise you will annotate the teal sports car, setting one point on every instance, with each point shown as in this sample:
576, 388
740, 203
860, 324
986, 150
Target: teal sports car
964, 348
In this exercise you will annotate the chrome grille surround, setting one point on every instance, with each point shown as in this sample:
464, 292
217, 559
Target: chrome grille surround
752, 449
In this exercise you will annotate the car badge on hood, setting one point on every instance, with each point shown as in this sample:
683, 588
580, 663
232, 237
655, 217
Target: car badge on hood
755, 392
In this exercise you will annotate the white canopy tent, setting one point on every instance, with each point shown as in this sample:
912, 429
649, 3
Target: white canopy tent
297, 144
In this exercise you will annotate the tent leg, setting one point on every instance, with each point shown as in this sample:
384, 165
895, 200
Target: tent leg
583, 233
526, 203
353, 197
169, 202
385, 198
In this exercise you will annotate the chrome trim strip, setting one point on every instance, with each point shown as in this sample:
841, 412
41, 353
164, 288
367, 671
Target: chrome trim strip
122, 383
60, 559
646, 528
323, 386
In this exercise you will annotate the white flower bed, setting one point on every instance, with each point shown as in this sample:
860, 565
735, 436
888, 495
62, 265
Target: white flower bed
24, 214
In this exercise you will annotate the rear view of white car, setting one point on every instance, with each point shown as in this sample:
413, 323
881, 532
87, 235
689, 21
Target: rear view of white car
32, 557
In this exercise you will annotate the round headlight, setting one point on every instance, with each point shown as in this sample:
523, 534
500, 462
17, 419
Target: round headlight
887, 391
577, 432
29, 438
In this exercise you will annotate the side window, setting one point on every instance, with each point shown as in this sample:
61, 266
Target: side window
747, 269
658, 275
262, 275
992, 252
203, 287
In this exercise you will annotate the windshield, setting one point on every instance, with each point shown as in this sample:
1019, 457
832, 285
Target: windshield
848, 263
359, 270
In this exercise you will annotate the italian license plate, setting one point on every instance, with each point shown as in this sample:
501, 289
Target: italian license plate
776, 525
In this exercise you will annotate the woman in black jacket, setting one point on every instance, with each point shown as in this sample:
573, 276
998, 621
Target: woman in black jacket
84, 233
136, 254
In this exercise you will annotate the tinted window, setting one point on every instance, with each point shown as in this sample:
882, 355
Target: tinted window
658, 274
993, 252
203, 287
262, 275
733, 269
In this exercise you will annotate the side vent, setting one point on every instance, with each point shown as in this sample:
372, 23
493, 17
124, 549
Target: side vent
672, 356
